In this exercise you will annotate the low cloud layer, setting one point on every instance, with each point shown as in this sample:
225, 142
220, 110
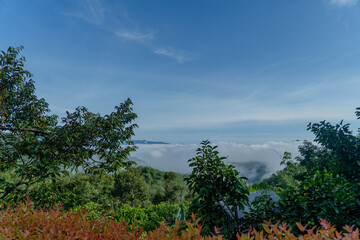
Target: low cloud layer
254, 161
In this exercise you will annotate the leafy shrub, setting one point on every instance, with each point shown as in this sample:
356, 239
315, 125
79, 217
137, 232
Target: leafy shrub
130, 215
95, 210
148, 218
211, 182
343, 146
172, 189
322, 196
24, 222
262, 208
131, 188
283, 232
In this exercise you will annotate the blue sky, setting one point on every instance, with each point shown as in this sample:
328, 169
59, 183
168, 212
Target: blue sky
237, 71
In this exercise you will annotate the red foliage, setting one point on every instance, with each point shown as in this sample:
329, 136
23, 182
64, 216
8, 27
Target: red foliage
24, 222
283, 232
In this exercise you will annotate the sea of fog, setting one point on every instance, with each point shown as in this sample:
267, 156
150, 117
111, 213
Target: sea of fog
254, 161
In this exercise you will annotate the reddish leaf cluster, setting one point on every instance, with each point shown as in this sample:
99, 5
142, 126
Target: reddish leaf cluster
24, 222
277, 231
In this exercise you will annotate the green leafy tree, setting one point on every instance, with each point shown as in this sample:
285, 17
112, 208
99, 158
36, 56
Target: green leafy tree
312, 158
172, 189
262, 208
342, 146
284, 178
90, 189
38, 149
131, 188
322, 196
327, 177
211, 182
148, 217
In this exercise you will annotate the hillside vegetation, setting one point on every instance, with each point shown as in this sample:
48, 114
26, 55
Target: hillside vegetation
319, 189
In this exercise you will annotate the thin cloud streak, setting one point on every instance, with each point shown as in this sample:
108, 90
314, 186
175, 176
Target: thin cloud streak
92, 11
134, 36
179, 56
343, 3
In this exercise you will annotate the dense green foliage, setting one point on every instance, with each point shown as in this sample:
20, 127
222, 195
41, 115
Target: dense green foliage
262, 208
104, 193
284, 178
344, 148
148, 217
212, 181
324, 181
130, 187
322, 196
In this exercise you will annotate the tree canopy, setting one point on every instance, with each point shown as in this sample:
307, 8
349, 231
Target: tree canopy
212, 182
37, 148
324, 181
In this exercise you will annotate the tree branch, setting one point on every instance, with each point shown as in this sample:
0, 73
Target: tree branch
24, 130
233, 215
9, 190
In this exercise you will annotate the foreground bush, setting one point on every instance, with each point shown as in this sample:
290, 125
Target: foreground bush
283, 232
24, 222
148, 218
322, 196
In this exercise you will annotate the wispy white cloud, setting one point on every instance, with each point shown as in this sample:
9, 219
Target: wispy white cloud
178, 55
343, 3
134, 36
91, 11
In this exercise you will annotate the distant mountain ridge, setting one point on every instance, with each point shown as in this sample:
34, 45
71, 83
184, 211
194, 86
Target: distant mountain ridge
147, 142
